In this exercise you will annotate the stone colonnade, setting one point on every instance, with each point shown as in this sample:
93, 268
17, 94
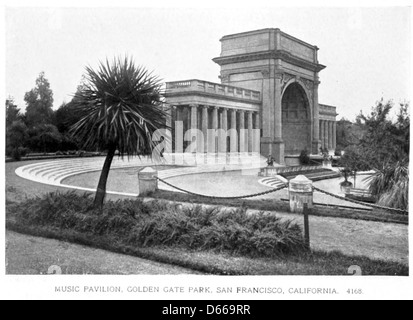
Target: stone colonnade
234, 129
328, 132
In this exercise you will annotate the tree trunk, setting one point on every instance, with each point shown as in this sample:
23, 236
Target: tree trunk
101, 190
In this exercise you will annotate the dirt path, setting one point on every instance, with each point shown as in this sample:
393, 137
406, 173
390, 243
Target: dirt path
27, 255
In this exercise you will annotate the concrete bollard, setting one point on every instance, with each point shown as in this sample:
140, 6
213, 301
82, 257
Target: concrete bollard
148, 182
301, 191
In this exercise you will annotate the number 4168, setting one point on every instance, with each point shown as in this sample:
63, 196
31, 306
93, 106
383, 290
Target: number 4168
354, 291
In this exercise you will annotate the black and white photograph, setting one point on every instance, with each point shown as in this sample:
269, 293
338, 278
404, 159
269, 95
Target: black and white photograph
219, 151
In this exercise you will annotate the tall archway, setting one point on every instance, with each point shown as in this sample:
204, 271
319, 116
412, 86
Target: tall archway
296, 120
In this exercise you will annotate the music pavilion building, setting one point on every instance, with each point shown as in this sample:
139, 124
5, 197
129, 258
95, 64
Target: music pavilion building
269, 81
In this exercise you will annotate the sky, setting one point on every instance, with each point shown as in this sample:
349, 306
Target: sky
367, 50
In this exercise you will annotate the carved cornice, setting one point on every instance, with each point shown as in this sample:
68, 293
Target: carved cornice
285, 78
309, 84
211, 95
265, 73
273, 54
224, 77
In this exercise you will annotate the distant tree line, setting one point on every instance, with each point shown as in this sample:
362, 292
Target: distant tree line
39, 129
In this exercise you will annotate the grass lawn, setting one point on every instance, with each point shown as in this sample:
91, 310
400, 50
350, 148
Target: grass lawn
314, 263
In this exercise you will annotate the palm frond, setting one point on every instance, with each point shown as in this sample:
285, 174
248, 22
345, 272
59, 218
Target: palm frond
119, 104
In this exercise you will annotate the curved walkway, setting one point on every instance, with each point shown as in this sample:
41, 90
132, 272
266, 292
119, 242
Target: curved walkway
54, 172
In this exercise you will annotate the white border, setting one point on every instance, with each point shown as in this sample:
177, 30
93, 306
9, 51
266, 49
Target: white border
35, 287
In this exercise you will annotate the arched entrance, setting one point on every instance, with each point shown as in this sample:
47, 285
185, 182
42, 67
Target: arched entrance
296, 120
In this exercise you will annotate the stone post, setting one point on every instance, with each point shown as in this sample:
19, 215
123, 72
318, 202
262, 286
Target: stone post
301, 191
148, 181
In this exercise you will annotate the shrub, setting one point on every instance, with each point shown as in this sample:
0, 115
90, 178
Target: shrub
18, 153
337, 152
135, 223
304, 158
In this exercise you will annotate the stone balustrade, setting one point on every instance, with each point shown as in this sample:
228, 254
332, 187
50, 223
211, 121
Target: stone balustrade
210, 87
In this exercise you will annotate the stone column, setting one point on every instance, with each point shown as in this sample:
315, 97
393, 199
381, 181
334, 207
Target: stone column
278, 153
242, 139
325, 125
268, 107
316, 117
257, 131
212, 137
334, 135
205, 127
321, 135
194, 116
179, 130
234, 135
223, 131
215, 118
330, 135
179, 113
250, 132
278, 111
168, 112
257, 124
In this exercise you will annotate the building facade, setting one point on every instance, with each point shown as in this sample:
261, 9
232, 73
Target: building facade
267, 98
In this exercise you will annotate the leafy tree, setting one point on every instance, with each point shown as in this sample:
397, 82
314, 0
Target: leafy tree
120, 107
66, 116
39, 102
385, 147
385, 141
12, 112
44, 138
348, 133
353, 161
16, 136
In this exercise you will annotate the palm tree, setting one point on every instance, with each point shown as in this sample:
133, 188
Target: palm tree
391, 185
120, 108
